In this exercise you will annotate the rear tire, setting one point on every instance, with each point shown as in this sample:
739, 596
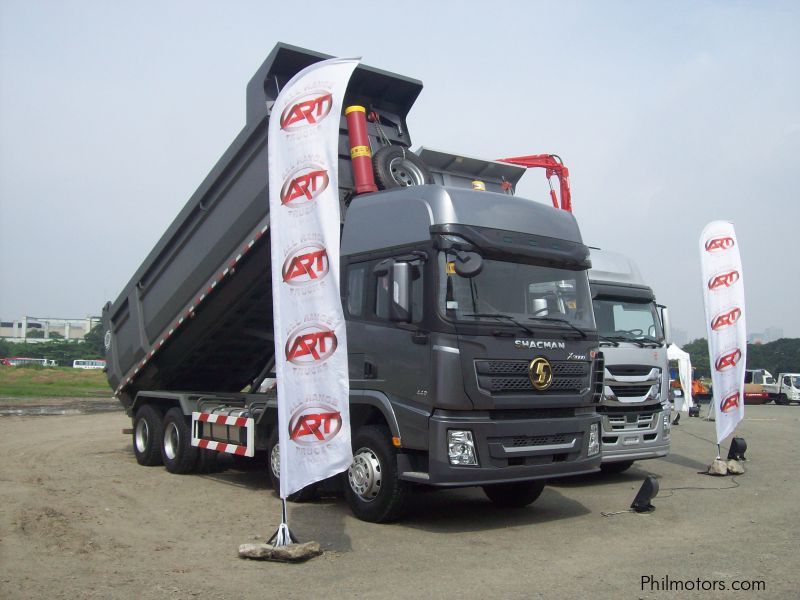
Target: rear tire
514, 495
148, 427
177, 452
372, 487
307, 494
616, 467
207, 461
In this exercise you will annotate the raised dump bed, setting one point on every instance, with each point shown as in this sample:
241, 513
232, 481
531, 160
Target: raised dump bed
197, 314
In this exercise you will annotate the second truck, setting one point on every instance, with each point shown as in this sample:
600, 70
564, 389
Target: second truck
633, 333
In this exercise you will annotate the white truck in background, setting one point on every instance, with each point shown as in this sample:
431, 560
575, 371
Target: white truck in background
633, 332
785, 390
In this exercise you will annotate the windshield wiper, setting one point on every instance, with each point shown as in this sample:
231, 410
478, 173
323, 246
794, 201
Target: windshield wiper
559, 320
502, 316
608, 340
622, 338
652, 343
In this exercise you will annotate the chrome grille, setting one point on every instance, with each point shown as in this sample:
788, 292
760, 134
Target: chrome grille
628, 421
630, 391
629, 370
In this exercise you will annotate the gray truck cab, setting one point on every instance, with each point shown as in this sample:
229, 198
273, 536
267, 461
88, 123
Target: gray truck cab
450, 351
635, 406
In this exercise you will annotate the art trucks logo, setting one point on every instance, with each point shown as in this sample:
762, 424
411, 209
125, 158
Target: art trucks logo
718, 244
726, 318
314, 424
723, 280
728, 360
306, 265
303, 185
310, 345
729, 402
307, 110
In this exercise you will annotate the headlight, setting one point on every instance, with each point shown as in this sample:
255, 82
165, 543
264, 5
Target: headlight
461, 448
594, 440
667, 424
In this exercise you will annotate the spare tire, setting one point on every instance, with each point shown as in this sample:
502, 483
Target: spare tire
395, 166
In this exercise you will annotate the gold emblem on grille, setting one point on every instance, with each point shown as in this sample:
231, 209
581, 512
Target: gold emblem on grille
541, 373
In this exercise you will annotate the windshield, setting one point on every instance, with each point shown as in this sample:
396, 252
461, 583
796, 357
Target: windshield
627, 320
530, 295
795, 381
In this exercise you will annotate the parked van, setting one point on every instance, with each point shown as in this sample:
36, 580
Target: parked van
82, 363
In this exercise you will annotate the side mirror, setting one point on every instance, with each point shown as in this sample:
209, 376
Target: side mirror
665, 323
400, 292
468, 264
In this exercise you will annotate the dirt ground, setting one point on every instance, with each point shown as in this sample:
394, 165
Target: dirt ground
80, 519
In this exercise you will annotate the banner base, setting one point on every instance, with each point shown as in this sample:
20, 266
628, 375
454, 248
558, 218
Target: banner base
288, 554
719, 467
282, 537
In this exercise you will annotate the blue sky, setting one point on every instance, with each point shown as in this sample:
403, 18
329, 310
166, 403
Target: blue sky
669, 115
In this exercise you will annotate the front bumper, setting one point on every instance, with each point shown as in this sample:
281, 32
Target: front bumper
634, 435
511, 449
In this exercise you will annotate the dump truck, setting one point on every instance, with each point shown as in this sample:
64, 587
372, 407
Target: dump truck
473, 372
633, 332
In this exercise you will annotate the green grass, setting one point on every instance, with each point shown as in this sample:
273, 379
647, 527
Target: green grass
53, 382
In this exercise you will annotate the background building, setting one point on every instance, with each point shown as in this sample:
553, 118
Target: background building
770, 334
35, 329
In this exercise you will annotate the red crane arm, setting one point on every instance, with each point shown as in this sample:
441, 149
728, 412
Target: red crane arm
553, 166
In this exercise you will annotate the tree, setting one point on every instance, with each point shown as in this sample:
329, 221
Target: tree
95, 347
698, 351
780, 356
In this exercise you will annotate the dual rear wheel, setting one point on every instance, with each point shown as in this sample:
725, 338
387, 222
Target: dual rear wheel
167, 439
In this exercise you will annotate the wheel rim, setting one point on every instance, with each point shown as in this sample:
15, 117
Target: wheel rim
142, 436
365, 475
171, 440
405, 172
275, 461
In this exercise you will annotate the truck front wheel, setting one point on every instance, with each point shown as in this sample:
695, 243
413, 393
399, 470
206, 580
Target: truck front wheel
616, 467
514, 495
372, 487
148, 425
782, 400
177, 452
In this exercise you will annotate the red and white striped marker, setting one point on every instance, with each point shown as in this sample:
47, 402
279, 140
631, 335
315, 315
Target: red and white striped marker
248, 423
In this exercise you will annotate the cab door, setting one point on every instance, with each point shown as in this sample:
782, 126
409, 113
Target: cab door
390, 356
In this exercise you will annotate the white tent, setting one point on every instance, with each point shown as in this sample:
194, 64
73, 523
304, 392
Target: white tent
684, 374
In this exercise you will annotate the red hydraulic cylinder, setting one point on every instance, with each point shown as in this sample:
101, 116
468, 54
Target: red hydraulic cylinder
360, 154
553, 166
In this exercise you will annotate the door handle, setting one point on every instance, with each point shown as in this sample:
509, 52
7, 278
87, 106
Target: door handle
420, 337
370, 372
